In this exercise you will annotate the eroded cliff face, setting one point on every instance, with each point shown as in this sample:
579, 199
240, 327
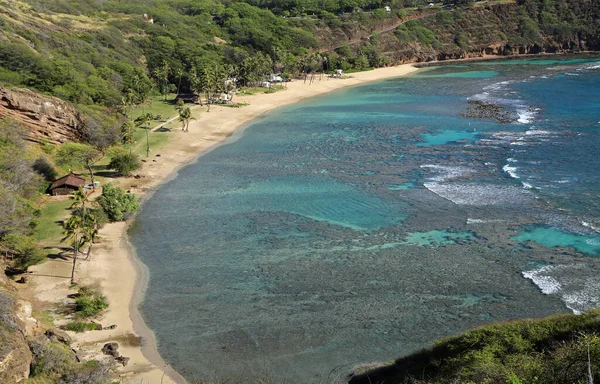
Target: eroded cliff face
48, 119
16, 326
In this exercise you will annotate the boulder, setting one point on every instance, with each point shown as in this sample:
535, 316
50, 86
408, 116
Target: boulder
122, 360
111, 349
57, 334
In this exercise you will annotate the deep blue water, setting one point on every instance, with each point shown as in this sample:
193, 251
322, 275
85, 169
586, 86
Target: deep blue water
364, 224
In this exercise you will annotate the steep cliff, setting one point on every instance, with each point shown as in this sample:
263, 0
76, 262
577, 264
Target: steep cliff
16, 325
47, 118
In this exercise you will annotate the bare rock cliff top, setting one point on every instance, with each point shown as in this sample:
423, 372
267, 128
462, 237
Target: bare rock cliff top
47, 118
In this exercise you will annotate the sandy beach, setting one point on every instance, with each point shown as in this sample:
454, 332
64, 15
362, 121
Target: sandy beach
114, 269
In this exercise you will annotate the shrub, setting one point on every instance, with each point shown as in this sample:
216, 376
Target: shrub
89, 303
50, 359
125, 163
117, 204
24, 251
80, 326
90, 372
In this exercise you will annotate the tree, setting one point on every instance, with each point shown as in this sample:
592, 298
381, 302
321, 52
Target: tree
117, 204
124, 163
76, 155
196, 84
143, 121
179, 106
185, 115
179, 73
162, 76
74, 230
89, 229
23, 251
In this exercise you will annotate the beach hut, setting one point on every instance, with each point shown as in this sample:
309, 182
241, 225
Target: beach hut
66, 185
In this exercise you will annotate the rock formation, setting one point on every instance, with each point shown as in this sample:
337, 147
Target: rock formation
48, 119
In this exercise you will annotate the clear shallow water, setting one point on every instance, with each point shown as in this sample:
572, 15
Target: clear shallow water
364, 224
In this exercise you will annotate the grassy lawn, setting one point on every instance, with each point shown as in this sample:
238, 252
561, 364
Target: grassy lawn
156, 139
49, 230
157, 106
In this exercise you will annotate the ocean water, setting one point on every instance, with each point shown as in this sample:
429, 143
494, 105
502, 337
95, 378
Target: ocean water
362, 225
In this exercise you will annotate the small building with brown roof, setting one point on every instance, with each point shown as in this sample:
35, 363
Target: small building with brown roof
66, 185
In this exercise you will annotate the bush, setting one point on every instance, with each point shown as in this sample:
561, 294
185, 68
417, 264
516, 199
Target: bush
117, 204
24, 251
125, 163
54, 362
90, 372
50, 359
89, 303
80, 326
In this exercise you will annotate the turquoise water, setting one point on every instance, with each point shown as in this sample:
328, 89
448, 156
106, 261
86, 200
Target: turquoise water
445, 137
364, 224
461, 75
552, 237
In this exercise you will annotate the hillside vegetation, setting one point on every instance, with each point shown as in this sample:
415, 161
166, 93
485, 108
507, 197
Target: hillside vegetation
95, 53
563, 349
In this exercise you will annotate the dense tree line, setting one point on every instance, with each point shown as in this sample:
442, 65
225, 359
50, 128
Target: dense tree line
19, 185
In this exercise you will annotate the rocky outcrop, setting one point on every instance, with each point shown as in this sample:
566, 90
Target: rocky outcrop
48, 119
15, 355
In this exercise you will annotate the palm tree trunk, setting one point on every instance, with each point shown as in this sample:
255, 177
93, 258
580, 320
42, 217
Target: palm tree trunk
89, 167
76, 246
89, 252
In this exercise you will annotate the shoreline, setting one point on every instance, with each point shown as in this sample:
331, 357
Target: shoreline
114, 267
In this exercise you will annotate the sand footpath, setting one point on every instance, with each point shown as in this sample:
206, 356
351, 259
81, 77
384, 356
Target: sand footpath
113, 268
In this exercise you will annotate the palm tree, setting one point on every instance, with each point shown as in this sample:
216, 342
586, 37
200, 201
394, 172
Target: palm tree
162, 75
73, 232
196, 83
179, 72
185, 115
142, 122
90, 234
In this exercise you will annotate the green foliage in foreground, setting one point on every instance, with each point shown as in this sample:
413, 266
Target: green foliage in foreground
550, 350
89, 302
54, 362
118, 204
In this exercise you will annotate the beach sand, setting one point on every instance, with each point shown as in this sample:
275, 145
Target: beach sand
112, 266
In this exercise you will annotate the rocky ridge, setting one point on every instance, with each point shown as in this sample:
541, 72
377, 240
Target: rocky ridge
47, 119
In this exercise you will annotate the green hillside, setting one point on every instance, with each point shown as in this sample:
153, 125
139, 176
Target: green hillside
563, 349
93, 52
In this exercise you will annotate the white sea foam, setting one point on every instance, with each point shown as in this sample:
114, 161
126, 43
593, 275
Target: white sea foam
547, 284
537, 132
482, 221
446, 172
478, 194
526, 185
590, 225
512, 171
578, 285
585, 297
593, 241
526, 116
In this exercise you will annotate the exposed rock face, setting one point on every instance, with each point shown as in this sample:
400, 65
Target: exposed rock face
48, 118
15, 356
